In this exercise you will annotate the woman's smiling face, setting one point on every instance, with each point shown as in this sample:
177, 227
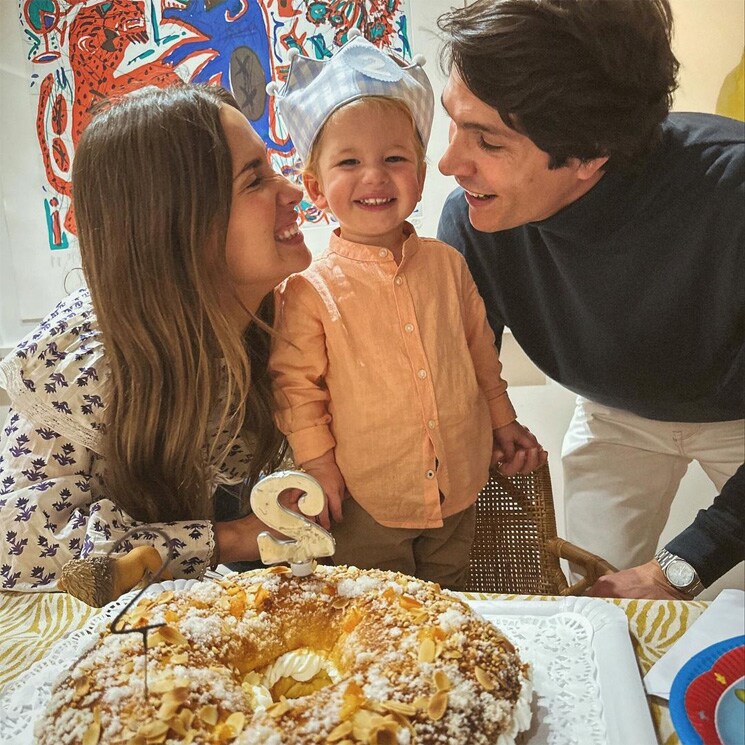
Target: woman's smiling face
264, 244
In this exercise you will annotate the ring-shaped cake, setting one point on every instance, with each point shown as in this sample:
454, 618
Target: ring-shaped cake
342, 656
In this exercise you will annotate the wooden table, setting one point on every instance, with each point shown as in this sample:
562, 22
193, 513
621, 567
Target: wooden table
30, 623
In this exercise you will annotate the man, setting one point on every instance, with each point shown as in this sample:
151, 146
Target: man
608, 236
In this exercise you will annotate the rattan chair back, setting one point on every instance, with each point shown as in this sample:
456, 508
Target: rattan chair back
516, 549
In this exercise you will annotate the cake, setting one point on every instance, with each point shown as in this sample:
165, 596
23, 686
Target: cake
341, 656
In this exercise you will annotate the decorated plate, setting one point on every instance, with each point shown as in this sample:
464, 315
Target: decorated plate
707, 699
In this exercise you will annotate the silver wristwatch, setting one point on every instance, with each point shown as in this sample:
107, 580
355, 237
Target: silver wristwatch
679, 573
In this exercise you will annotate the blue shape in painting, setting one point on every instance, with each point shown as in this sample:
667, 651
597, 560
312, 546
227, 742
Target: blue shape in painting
226, 26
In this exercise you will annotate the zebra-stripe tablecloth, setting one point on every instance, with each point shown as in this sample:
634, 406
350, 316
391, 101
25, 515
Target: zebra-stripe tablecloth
30, 623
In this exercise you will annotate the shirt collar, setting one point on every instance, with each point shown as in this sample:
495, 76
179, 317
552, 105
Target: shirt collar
363, 252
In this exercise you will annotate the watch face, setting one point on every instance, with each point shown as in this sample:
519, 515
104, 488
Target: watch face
680, 573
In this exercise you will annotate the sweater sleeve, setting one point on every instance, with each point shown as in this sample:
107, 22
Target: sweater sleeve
715, 541
298, 365
49, 512
484, 352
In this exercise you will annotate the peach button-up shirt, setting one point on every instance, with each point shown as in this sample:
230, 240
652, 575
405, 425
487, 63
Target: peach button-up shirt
395, 367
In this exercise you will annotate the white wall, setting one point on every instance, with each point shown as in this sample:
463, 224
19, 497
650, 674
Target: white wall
22, 272
708, 42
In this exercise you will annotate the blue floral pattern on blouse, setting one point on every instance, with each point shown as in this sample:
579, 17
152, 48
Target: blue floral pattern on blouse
53, 501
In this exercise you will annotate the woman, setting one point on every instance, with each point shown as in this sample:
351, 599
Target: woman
137, 396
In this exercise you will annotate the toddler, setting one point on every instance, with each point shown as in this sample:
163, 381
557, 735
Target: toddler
384, 368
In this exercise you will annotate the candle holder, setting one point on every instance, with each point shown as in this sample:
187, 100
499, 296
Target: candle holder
307, 540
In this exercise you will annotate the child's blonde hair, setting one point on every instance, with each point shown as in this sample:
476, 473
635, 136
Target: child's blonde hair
381, 103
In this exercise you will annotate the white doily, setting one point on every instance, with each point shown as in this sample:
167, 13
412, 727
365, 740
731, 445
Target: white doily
567, 705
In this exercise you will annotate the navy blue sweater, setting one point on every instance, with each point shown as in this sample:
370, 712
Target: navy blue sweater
633, 295
715, 541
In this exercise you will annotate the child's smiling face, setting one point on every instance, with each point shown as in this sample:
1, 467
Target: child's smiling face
369, 172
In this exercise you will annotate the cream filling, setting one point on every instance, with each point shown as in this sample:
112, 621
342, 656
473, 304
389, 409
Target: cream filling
522, 714
301, 664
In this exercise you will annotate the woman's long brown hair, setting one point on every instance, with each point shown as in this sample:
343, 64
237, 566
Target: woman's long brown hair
152, 183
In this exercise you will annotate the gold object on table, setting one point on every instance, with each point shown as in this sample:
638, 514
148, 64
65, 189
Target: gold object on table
97, 580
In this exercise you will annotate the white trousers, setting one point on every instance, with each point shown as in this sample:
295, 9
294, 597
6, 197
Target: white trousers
621, 473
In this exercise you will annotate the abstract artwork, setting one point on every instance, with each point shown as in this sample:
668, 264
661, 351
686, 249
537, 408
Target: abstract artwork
83, 51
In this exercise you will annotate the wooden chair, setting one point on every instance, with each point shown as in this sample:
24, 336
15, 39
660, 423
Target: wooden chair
516, 549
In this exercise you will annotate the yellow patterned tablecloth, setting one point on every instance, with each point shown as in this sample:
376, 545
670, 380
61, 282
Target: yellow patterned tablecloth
30, 623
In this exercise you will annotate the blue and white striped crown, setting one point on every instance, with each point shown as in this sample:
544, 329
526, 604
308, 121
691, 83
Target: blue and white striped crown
315, 89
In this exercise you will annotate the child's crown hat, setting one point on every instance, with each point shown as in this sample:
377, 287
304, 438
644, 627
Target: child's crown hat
315, 89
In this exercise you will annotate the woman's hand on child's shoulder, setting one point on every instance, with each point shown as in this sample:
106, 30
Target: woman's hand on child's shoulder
325, 471
516, 450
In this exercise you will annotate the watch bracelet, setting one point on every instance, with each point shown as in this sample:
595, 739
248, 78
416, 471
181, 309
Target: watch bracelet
664, 558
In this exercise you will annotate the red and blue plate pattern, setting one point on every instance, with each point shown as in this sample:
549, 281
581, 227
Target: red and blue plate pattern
707, 699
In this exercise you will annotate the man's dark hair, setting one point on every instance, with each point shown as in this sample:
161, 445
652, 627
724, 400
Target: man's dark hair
581, 78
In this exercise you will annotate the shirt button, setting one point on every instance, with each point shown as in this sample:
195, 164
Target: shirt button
409, 327
383, 253
422, 374
430, 474
431, 424
399, 280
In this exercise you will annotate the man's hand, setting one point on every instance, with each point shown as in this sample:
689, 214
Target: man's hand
646, 581
516, 450
324, 470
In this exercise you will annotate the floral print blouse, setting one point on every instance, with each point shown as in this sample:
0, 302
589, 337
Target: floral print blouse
53, 501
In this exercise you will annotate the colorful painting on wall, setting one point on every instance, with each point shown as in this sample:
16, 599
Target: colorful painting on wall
82, 51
